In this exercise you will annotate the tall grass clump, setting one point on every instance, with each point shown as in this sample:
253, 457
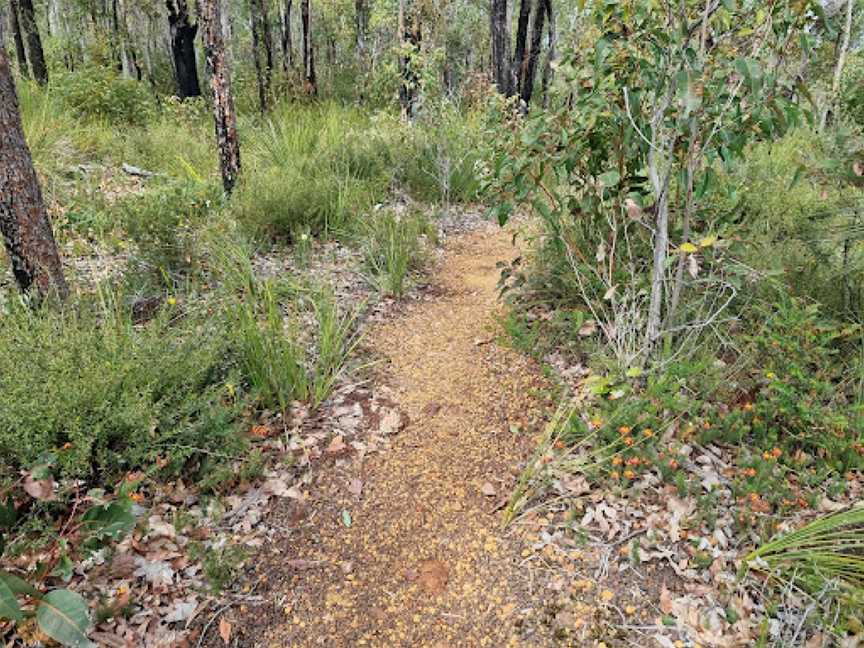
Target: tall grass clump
393, 247
336, 339
314, 168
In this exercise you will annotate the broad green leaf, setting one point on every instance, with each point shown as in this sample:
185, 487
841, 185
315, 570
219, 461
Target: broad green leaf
62, 615
17, 585
9, 608
688, 248
634, 372
114, 520
610, 178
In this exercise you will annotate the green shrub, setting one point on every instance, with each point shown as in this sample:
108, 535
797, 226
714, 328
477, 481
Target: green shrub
107, 396
98, 92
393, 246
852, 89
162, 222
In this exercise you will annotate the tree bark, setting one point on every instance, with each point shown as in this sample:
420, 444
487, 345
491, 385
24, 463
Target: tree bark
526, 89
34, 42
311, 81
409, 40
20, 52
183, 49
501, 63
287, 44
361, 25
24, 220
842, 50
518, 64
549, 67
224, 115
261, 38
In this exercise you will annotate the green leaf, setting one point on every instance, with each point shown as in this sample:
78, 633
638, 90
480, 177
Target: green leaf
634, 372
62, 615
9, 608
610, 178
18, 585
114, 520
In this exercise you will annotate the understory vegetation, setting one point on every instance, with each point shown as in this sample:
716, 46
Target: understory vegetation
687, 184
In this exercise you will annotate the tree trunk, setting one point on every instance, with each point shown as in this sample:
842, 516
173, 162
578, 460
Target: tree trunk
183, 49
518, 65
20, 52
549, 67
530, 67
842, 50
261, 38
361, 26
224, 115
24, 220
310, 79
287, 44
409, 40
34, 42
500, 31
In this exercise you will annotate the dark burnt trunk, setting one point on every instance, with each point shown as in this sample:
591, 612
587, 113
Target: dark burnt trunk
287, 44
517, 70
500, 31
409, 38
183, 49
20, 52
310, 79
224, 115
27, 18
548, 68
530, 68
262, 50
24, 220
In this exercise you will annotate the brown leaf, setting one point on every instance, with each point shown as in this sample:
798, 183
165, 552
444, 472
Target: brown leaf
40, 489
488, 490
225, 630
337, 446
355, 487
665, 601
259, 432
433, 576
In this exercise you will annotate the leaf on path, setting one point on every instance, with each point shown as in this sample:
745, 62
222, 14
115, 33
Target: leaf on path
155, 572
182, 611
665, 601
62, 615
159, 528
355, 487
346, 518
40, 489
433, 576
488, 490
337, 446
225, 630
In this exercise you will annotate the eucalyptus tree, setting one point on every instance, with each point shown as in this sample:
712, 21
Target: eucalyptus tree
24, 221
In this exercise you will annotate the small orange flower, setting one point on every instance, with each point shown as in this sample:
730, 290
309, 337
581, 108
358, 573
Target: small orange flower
629, 474
707, 425
749, 472
628, 441
673, 464
616, 460
614, 474
767, 456
776, 452
596, 422
137, 497
624, 429
67, 446
748, 407
648, 433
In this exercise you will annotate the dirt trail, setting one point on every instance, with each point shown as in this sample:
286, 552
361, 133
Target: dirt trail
424, 561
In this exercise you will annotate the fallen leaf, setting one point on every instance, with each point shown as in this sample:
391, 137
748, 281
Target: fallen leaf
433, 576
346, 518
336, 447
355, 487
225, 630
40, 489
665, 601
488, 490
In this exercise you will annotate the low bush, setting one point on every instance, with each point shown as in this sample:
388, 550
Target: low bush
100, 93
106, 396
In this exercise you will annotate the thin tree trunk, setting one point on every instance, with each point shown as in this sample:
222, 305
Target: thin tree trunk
530, 68
361, 26
310, 79
24, 220
263, 68
518, 63
409, 40
183, 49
20, 52
224, 115
287, 44
831, 104
549, 68
500, 32
34, 42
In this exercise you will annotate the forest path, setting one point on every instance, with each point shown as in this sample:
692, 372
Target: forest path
423, 560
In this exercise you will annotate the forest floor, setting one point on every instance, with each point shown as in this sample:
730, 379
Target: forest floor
406, 548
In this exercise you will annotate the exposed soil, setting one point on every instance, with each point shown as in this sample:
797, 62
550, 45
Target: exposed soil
405, 547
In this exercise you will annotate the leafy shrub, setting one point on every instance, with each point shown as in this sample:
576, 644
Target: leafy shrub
852, 89
161, 222
98, 92
393, 246
106, 396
